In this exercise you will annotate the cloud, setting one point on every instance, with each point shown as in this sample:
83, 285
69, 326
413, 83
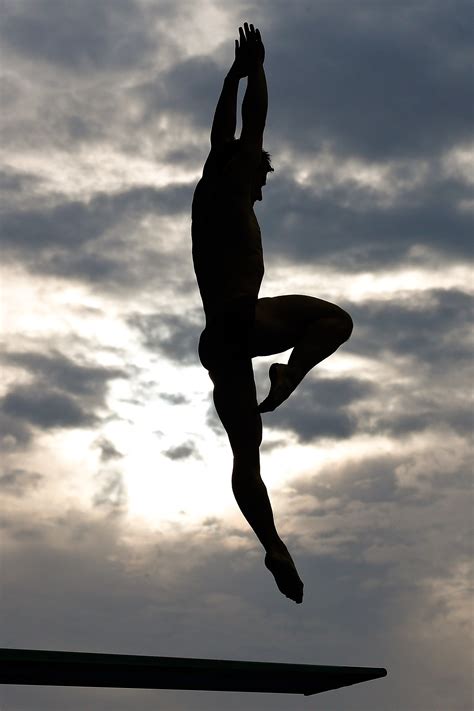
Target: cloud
370, 480
14, 183
18, 482
315, 411
369, 125
45, 409
218, 602
337, 220
420, 347
15, 435
61, 392
111, 494
80, 37
189, 87
174, 399
76, 223
59, 370
377, 81
108, 451
173, 335
428, 325
182, 452
344, 228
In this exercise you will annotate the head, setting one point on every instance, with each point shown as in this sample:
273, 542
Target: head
263, 169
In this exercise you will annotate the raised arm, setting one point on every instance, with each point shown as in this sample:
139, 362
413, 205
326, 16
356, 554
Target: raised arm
249, 58
255, 106
225, 117
255, 103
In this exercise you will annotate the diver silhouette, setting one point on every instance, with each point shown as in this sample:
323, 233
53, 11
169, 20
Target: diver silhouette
228, 262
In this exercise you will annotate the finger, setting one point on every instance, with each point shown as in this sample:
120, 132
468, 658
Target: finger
242, 36
257, 31
236, 47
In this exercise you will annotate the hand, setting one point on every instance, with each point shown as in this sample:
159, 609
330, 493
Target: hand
250, 53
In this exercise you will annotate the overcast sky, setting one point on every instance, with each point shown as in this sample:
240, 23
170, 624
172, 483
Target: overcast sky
120, 533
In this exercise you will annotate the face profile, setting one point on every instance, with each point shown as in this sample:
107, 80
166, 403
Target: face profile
259, 182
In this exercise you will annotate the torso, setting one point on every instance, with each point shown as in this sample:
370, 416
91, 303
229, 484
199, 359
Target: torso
227, 244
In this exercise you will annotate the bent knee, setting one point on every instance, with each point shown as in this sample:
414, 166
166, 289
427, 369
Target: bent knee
346, 325
341, 323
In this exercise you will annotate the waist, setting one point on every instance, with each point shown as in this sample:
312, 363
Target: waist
236, 305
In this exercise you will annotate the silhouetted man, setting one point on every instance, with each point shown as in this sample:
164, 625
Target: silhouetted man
228, 261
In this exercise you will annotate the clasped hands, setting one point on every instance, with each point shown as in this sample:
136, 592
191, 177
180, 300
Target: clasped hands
250, 53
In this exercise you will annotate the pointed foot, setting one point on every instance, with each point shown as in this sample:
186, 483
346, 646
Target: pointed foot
282, 384
286, 576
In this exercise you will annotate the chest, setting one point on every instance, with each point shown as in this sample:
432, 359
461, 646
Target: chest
217, 211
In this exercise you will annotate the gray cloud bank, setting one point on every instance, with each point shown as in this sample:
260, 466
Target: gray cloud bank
60, 393
380, 83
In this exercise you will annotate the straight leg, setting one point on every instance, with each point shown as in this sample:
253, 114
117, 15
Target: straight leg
236, 404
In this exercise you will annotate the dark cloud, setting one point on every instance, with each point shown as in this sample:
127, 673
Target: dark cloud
45, 409
429, 331
57, 369
221, 603
431, 418
431, 326
377, 488
81, 36
377, 81
111, 495
62, 393
15, 434
98, 241
192, 85
186, 450
344, 227
73, 224
371, 480
13, 182
174, 336
318, 410
108, 451
383, 84
373, 80
174, 399
18, 482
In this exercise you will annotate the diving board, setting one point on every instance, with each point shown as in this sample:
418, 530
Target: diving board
53, 668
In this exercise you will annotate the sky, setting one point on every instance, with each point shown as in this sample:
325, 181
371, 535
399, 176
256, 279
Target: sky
120, 533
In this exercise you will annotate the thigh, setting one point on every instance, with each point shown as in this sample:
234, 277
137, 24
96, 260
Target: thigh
281, 321
228, 335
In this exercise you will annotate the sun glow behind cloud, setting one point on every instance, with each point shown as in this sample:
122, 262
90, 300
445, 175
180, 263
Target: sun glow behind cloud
143, 426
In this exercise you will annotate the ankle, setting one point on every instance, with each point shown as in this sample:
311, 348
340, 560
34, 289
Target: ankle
276, 549
295, 374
